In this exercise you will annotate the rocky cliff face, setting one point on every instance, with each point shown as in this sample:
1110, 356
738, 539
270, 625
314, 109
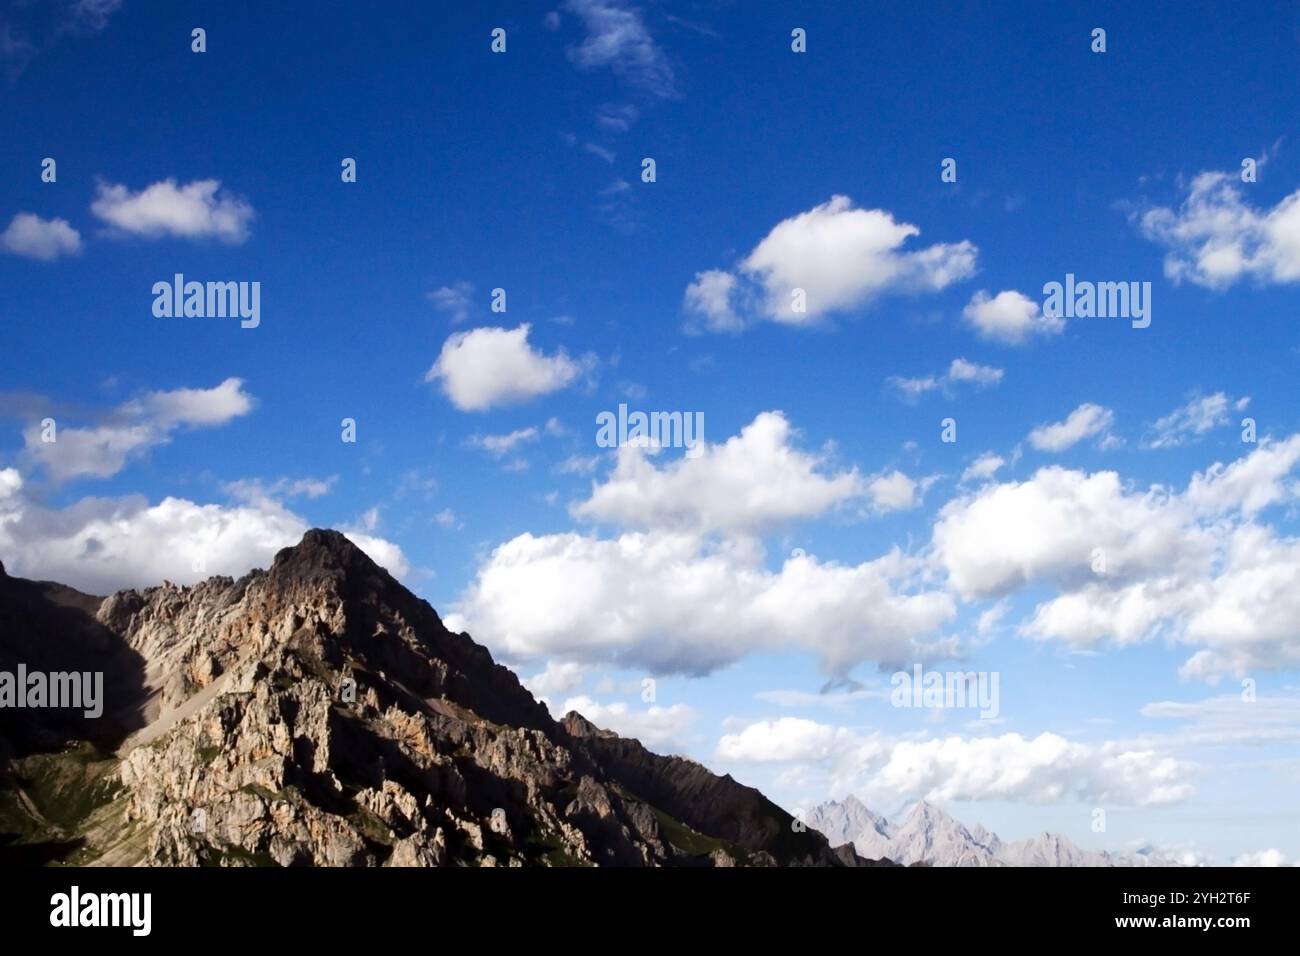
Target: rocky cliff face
318, 713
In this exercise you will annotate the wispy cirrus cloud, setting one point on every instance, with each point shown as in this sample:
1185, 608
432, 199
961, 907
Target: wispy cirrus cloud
16, 52
500, 445
43, 25
618, 39
616, 117
960, 372
84, 17
454, 300
1086, 421
1189, 422
128, 432
255, 490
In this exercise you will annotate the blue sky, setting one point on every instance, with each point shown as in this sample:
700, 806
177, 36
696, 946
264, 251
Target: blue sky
476, 474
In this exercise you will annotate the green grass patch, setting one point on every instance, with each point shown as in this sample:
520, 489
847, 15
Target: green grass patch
68, 787
693, 843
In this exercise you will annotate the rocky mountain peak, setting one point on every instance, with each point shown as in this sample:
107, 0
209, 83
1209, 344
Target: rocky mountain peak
923, 813
986, 838
576, 725
320, 713
931, 836
322, 546
323, 557
851, 822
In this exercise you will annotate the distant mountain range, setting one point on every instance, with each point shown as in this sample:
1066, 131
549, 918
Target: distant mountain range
929, 836
319, 714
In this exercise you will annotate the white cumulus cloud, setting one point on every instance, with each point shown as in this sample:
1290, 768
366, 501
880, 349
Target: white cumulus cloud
785, 739
1045, 769
487, 367
100, 545
197, 210
1216, 238
32, 237
657, 727
841, 257
750, 483
1010, 318
894, 491
1129, 565
670, 603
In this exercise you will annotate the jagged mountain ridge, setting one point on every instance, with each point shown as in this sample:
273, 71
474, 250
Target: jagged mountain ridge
928, 835
231, 736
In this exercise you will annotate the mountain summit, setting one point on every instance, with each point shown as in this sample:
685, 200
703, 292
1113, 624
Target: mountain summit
319, 713
932, 837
